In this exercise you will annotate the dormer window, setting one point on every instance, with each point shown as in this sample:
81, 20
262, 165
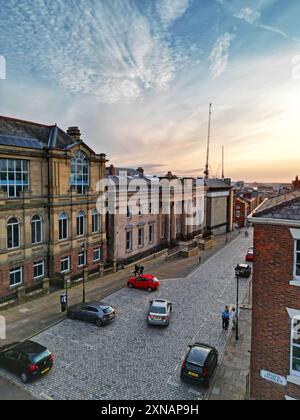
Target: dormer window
79, 173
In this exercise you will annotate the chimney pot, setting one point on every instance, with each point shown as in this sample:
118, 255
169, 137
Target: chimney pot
75, 133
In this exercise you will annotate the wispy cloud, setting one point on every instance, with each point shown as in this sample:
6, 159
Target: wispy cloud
114, 51
171, 10
247, 14
220, 54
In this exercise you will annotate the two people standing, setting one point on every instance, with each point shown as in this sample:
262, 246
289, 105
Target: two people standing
138, 270
227, 316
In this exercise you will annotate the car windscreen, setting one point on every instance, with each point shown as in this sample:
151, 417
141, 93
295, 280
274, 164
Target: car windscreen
158, 310
197, 356
107, 310
38, 358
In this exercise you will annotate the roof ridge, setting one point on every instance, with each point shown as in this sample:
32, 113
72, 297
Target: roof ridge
26, 121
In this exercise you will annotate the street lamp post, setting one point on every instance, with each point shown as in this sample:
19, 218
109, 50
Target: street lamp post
83, 273
237, 274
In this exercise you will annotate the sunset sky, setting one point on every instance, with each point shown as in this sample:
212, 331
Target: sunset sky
137, 76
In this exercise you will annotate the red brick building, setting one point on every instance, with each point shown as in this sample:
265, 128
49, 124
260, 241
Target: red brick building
241, 211
296, 184
275, 355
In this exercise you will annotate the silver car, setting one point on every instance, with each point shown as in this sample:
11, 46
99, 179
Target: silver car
160, 312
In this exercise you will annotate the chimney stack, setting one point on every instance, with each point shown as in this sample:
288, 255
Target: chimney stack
141, 170
75, 133
112, 170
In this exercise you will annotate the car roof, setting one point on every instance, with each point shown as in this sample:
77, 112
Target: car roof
201, 351
147, 276
203, 346
159, 302
96, 304
29, 347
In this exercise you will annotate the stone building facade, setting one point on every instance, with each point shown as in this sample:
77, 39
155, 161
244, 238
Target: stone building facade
48, 219
275, 353
150, 227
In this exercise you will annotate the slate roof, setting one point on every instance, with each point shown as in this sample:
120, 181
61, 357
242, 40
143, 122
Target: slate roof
20, 142
19, 133
285, 206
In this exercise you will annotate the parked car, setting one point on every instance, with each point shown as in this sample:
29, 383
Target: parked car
244, 270
98, 313
160, 312
250, 255
28, 360
145, 281
200, 364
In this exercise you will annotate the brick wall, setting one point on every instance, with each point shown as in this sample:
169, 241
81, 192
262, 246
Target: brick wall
272, 294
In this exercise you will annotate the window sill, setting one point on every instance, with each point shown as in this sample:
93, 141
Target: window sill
292, 379
295, 283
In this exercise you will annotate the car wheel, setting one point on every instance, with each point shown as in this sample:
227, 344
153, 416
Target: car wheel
130, 286
71, 315
149, 289
24, 378
99, 323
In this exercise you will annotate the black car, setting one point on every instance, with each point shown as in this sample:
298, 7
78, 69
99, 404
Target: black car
98, 313
28, 360
243, 270
200, 364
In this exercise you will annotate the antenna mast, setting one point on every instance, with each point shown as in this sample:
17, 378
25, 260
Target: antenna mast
206, 172
223, 174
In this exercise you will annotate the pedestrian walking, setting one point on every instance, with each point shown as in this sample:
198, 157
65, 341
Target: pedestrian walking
233, 318
136, 270
225, 319
63, 302
246, 234
142, 270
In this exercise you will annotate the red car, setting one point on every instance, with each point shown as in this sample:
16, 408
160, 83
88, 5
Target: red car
250, 255
144, 281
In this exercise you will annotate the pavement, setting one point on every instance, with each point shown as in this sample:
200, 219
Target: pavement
232, 378
127, 359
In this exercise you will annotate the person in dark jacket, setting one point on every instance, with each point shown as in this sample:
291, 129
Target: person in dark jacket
226, 319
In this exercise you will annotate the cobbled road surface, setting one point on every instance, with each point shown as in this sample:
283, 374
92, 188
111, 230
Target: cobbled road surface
127, 359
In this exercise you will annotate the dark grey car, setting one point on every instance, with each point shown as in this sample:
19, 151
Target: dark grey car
98, 313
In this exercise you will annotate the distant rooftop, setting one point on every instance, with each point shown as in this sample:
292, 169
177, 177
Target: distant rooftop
285, 206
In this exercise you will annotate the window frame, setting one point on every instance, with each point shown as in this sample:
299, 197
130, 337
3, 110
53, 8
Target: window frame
13, 271
63, 218
141, 238
80, 224
151, 233
11, 182
292, 346
80, 173
39, 263
83, 255
34, 226
296, 264
95, 222
64, 259
94, 251
10, 226
129, 240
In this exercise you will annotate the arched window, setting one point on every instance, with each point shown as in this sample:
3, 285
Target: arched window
36, 229
80, 223
95, 221
13, 233
79, 173
63, 226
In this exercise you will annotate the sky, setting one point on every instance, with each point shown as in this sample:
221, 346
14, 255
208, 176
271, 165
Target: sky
137, 77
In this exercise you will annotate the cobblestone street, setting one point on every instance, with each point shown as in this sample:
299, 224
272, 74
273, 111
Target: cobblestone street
129, 360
